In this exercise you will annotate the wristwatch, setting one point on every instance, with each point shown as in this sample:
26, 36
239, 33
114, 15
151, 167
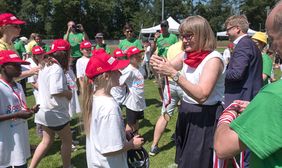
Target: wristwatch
175, 78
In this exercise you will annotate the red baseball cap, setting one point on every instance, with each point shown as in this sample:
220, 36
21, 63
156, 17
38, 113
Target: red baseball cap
103, 62
132, 51
119, 53
59, 45
85, 44
99, 51
8, 18
7, 56
37, 50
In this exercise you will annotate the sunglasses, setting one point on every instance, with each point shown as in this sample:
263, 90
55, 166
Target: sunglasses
163, 25
129, 31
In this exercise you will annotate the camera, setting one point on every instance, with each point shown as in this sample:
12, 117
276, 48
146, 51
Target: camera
77, 27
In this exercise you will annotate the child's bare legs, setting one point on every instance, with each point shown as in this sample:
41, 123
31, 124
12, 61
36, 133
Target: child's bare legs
42, 148
66, 138
47, 140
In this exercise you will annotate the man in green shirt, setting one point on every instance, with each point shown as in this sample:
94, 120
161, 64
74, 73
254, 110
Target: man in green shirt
260, 39
75, 35
99, 39
259, 126
163, 40
130, 39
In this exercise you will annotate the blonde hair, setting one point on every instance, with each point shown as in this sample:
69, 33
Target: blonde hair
238, 20
90, 86
201, 29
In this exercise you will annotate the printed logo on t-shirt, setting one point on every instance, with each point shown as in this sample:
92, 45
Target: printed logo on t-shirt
13, 108
138, 83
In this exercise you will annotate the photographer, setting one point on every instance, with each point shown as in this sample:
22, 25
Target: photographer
75, 35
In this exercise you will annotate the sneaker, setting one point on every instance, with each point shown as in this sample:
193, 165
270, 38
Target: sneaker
173, 137
73, 148
154, 150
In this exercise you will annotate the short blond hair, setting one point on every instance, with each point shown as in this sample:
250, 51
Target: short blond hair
238, 20
203, 34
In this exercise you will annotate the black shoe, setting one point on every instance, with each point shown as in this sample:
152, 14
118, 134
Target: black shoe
173, 137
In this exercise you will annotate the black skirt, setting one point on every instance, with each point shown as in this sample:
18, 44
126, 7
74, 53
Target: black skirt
195, 129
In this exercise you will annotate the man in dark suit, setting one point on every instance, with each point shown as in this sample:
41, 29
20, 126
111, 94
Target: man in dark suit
243, 74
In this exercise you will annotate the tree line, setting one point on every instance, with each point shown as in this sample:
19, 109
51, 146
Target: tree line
50, 17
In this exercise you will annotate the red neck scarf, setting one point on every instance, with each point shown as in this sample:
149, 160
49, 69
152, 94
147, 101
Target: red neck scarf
195, 58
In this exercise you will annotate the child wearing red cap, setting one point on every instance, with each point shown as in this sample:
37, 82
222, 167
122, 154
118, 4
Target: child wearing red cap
106, 144
85, 49
54, 98
36, 57
14, 136
133, 78
119, 92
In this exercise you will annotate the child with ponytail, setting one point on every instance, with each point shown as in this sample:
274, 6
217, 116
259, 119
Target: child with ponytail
54, 97
106, 143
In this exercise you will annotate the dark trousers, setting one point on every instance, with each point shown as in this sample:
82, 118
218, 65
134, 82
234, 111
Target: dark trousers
195, 129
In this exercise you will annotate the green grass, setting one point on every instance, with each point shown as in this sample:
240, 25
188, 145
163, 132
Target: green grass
164, 159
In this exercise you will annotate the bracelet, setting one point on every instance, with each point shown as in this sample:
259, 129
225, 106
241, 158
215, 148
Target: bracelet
226, 117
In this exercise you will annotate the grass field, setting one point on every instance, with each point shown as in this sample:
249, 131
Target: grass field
165, 159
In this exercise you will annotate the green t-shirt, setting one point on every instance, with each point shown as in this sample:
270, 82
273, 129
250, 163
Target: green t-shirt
45, 47
163, 43
75, 40
19, 46
266, 67
105, 46
125, 44
260, 127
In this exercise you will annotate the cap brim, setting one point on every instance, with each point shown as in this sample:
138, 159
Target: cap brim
49, 52
18, 22
121, 64
18, 61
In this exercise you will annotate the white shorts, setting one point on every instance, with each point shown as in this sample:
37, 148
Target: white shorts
176, 95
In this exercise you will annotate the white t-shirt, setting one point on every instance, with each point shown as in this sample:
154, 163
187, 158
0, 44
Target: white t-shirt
133, 78
33, 78
119, 93
226, 55
14, 142
107, 134
74, 106
54, 110
81, 66
193, 75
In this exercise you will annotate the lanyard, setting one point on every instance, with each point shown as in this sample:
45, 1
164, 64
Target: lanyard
22, 103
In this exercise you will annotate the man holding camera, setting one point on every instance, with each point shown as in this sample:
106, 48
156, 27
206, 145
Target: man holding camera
75, 35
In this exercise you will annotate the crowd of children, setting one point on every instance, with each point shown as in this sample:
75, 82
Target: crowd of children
71, 76
56, 88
